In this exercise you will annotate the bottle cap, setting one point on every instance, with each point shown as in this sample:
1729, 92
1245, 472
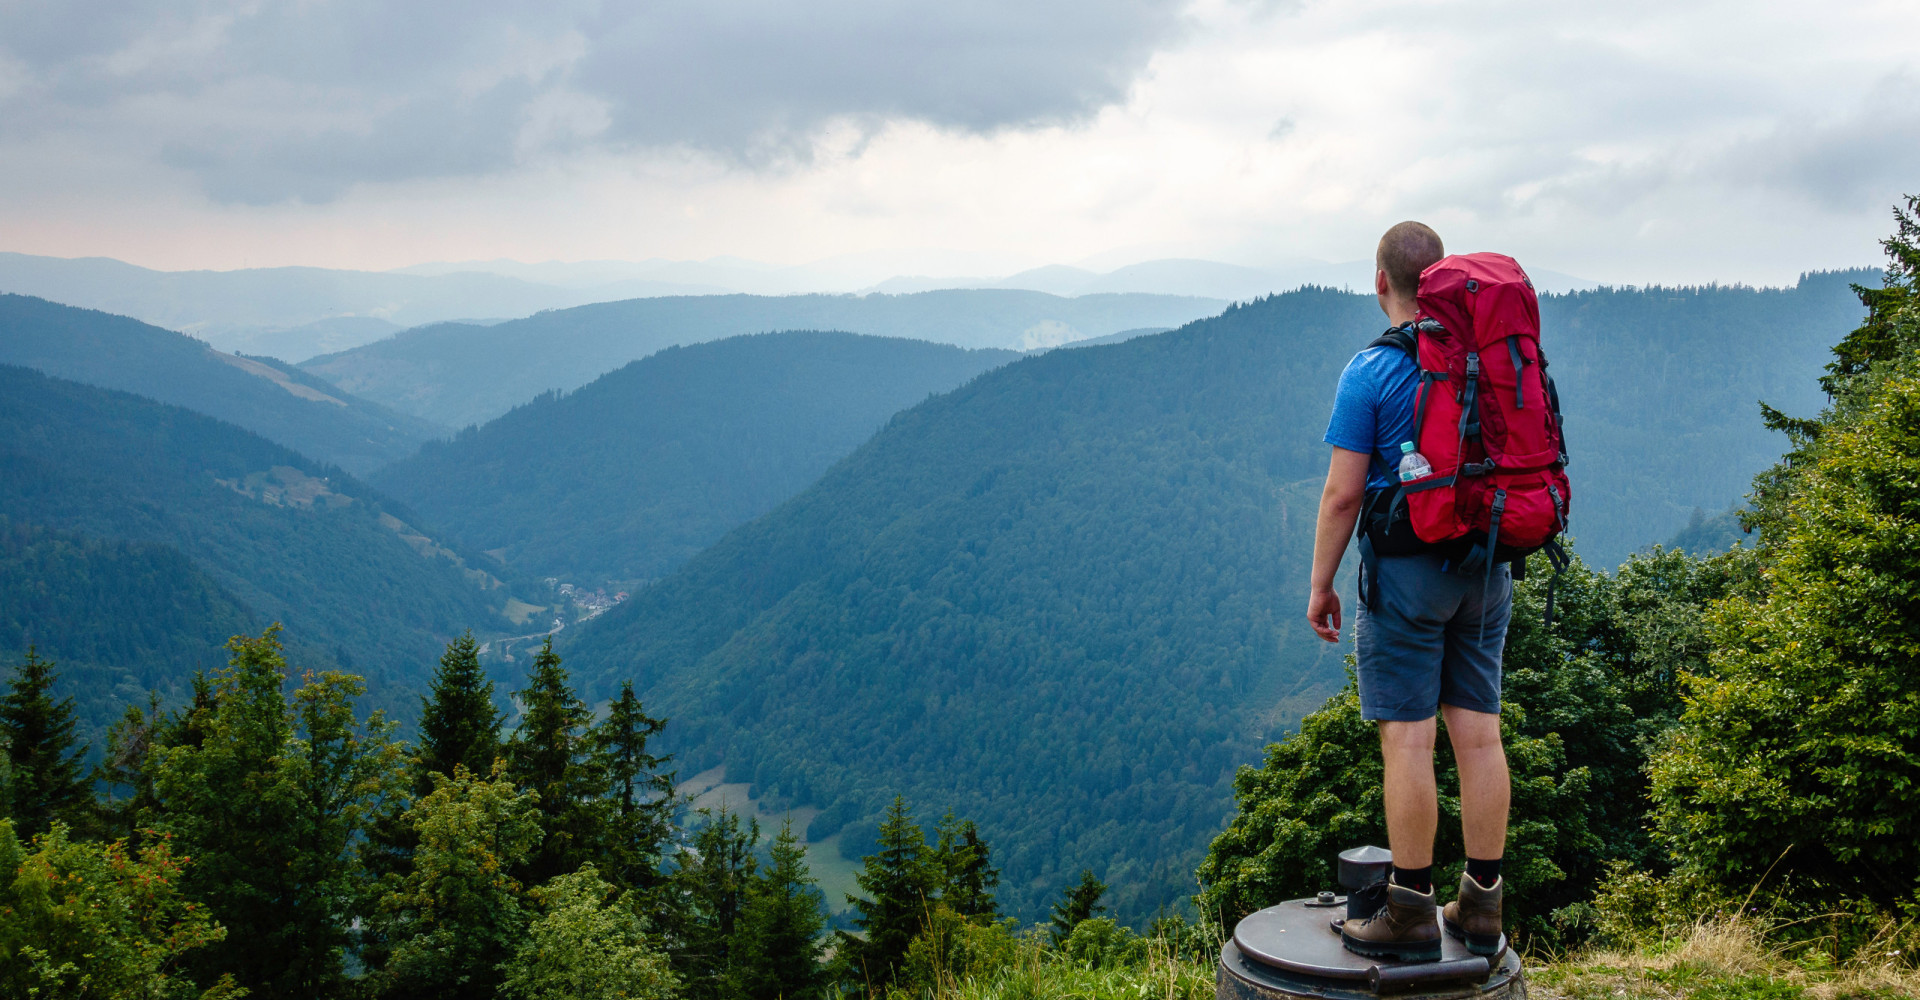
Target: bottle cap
1406, 446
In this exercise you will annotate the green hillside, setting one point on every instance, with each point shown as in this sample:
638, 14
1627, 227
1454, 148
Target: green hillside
458, 374
627, 477
276, 401
1065, 599
288, 538
120, 618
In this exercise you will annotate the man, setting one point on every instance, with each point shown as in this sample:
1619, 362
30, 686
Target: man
1432, 642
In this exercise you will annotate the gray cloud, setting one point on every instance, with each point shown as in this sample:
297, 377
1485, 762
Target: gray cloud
270, 99
1862, 153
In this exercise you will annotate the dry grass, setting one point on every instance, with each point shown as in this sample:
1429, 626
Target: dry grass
1728, 959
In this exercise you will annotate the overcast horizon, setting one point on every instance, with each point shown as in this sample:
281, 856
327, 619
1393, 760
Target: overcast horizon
1730, 142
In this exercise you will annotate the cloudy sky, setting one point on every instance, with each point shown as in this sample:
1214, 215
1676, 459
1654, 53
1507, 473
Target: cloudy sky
1625, 141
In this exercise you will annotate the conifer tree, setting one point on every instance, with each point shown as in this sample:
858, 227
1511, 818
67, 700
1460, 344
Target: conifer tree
47, 782
123, 769
459, 727
1080, 902
777, 948
640, 792
970, 875
713, 882
551, 754
458, 722
1798, 753
903, 881
267, 805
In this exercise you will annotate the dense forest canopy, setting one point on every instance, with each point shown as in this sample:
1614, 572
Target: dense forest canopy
627, 477
274, 400
282, 536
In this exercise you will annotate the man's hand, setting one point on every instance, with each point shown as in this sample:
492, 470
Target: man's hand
1323, 612
1339, 507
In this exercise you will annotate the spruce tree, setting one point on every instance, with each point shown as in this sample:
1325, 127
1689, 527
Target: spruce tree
1080, 902
267, 805
713, 882
459, 725
1799, 751
640, 793
970, 875
551, 755
123, 770
777, 944
47, 781
903, 880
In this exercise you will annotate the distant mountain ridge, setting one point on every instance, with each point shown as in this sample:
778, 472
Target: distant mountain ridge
627, 477
459, 375
275, 400
256, 309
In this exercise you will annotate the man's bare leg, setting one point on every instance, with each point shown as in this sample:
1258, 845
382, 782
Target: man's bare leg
1413, 808
1484, 786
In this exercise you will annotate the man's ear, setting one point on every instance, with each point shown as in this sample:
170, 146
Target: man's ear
1380, 285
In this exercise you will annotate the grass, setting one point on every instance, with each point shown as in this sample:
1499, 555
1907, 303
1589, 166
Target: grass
1713, 960
1721, 959
1041, 975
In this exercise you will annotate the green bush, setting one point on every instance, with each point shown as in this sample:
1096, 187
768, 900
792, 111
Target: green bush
953, 947
587, 944
82, 920
1099, 943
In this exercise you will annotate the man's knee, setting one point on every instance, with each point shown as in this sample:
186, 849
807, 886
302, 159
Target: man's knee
1470, 731
1407, 737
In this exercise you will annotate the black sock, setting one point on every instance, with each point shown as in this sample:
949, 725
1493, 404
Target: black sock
1484, 872
1418, 879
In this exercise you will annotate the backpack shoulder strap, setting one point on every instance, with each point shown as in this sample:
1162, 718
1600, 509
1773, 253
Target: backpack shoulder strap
1399, 336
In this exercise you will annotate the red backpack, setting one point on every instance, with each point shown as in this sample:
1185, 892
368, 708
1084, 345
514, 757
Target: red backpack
1487, 418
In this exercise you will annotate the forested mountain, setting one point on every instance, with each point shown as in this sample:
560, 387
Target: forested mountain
1065, 598
120, 618
274, 400
457, 374
289, 539
627, 477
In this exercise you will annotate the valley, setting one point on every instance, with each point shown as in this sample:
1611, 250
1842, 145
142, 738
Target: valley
833, 559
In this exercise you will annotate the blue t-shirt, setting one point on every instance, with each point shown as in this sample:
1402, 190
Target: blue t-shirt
1373, 410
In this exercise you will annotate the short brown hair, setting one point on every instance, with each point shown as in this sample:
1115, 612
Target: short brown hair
1405, 251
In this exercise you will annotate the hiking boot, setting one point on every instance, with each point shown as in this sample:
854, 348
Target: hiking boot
1403, 929
1475, 916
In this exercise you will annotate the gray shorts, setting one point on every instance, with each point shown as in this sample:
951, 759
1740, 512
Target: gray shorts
1433, 639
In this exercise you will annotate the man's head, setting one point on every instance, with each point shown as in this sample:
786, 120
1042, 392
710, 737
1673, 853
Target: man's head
1405, 251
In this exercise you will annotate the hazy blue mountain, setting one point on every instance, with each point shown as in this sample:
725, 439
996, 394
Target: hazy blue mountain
628, 476
272, 399
1182, 276
288, 538
1115, 338
1066, 598
264, 310
459, 375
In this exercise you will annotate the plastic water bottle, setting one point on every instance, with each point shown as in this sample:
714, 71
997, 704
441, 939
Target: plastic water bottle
1413, 465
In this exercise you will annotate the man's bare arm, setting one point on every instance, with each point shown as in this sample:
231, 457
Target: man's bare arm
1339, 507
